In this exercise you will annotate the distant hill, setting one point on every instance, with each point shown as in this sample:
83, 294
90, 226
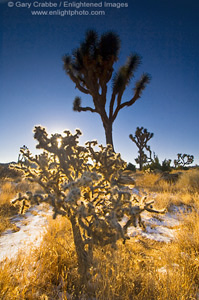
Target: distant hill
7, 164
6, 172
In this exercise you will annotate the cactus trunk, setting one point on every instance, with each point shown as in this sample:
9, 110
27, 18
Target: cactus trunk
84, 260
108, 127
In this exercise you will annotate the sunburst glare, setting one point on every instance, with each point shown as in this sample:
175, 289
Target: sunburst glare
59, 142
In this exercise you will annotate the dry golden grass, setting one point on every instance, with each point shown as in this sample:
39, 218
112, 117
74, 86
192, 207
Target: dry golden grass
146, 180
45, 273
8, 191
189, 181
152, 270
184, 191
141, 269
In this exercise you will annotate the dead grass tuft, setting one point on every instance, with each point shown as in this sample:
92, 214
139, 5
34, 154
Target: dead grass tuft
8, 190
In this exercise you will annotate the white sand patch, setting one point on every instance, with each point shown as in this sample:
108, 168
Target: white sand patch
160, 228
31, 230
135, 191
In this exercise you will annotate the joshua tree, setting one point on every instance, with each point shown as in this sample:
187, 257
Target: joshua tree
90, 67
81, 185
183, 160
21, 158
141, 138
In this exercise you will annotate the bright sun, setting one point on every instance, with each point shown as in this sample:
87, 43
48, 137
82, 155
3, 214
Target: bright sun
59, 142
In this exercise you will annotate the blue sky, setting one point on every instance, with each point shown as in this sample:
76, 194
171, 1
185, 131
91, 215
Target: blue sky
35, 90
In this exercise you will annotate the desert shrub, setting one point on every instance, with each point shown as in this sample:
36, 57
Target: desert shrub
131, 167
155, 165
81, 184
166, 165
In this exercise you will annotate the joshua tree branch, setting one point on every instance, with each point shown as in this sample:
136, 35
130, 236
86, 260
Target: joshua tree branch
87, 108
111, 105
78, 85
127, 103
103, 94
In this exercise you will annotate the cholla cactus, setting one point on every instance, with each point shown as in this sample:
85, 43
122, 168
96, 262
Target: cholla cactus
80, 183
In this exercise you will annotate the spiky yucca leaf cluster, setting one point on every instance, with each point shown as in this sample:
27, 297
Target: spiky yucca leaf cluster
93, 52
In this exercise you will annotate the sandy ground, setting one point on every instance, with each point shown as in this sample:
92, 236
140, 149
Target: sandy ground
31, 228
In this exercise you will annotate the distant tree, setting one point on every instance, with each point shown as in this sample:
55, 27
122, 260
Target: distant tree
90, 67
131, 167
166, 165
21, 157
141, 138
183, 160
156, 165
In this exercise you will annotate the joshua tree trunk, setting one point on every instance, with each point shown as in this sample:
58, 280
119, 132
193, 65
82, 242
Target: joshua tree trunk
141, 161
108, 127
84, 260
